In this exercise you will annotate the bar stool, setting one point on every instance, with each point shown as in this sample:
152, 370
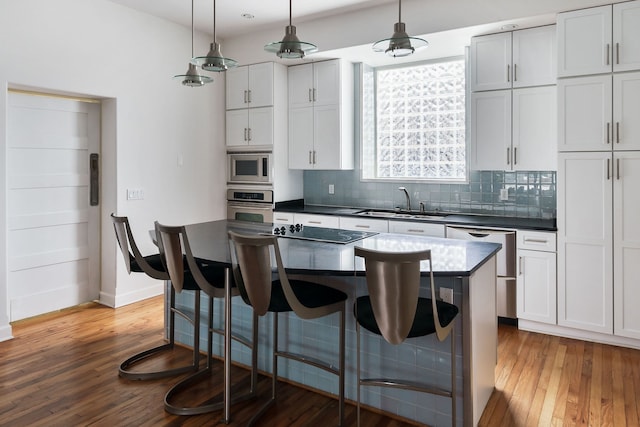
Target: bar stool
173, 243
394, 310
153, 266
251, 260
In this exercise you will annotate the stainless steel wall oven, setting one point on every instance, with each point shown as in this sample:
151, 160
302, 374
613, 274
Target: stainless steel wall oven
250, 204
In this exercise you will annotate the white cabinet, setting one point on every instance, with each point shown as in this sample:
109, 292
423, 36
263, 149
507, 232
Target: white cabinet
536, 276
513, 59
417, 228
588, 119
626, 243
313, 220
250, 86
364, 224
252, 127
585, 241
514, 129
599, 40
321, 115
283, 217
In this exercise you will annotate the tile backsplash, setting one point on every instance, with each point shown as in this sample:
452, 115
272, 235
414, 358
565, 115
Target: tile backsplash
531, 194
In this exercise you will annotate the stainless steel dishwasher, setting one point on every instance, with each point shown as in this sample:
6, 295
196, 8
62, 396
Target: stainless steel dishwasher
506, 262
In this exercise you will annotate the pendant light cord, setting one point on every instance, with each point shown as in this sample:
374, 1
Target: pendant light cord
192, 29
399, 10
289, 12
214, 21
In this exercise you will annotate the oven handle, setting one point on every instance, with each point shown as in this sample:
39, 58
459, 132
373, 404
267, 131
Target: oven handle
250, 205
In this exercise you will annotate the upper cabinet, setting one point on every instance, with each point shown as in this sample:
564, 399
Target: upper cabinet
599, 40
321, 115
514, 59
256, 106
250, 86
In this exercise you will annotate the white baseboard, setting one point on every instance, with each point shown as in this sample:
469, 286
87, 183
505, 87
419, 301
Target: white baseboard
143, 293
562, 331
5, 333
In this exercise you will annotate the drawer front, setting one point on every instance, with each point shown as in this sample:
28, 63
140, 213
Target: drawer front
326, 221
536, 240
364, 224
422, 229
283, 217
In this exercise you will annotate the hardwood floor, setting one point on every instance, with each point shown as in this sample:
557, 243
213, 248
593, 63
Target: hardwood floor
61, 370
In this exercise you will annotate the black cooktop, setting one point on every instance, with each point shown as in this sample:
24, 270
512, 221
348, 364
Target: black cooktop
318, 234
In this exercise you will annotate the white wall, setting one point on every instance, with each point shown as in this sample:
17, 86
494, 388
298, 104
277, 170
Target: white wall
99, 49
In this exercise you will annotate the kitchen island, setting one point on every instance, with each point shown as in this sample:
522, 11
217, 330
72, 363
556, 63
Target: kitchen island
468, 268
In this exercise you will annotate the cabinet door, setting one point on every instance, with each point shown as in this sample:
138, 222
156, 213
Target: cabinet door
584, 113
491, 62
327, 137
626, 111
626, 36
585, 241
237, 128
534, 57
534, 129
584, 41
260, 85
326, 82
300, 85
237, 80
491, 130
536, 286
626, 243
301, 138
260, 126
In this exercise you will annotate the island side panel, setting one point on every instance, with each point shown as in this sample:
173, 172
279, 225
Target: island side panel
480, 337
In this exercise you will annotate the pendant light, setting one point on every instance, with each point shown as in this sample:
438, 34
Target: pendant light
290, 47
192, 78
214, 61
399, 44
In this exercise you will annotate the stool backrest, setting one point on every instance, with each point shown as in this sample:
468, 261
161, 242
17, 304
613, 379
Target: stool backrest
127, 245
393, 282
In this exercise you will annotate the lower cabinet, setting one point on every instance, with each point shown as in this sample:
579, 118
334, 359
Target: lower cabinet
418, 228
536, 276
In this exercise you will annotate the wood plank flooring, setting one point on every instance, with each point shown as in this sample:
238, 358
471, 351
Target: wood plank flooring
61, 370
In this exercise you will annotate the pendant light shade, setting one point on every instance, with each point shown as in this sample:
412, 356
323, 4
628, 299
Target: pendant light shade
290, 47
400, 44
213, 60
192, 78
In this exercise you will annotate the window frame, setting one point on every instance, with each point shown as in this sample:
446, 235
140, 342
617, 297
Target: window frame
374, 70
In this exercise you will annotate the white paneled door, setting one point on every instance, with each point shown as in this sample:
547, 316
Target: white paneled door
53, 225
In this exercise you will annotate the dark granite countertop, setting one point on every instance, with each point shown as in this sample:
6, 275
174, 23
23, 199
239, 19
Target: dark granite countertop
461, 219
451, 257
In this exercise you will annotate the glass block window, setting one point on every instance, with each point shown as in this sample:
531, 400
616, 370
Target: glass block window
419, 123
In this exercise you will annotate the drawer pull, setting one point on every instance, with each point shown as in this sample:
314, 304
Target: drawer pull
520, 265
414, 230
527, 240
362, 226
315, 222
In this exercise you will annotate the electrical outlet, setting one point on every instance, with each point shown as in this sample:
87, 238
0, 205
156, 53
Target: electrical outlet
504, 194
447, 295
332, 189
135, 194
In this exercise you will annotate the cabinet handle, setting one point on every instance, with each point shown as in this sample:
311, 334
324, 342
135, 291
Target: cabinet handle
608, 132
617, 132
529, 240
249, 96
608, 47
314, 95
314, 157
310, 95
520, 266
617, 53
515, 72
245, 134
608, 169
249, 133
315, 222
618, 169
508, 72
245, 97
508, 155
415, 230
310, 158
515, 156
362, 226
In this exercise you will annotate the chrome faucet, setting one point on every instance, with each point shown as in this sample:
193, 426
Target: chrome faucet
406, 194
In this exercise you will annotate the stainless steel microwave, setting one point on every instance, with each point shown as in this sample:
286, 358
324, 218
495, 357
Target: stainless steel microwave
249, 168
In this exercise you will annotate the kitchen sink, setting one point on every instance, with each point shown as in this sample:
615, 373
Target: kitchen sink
372, 213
